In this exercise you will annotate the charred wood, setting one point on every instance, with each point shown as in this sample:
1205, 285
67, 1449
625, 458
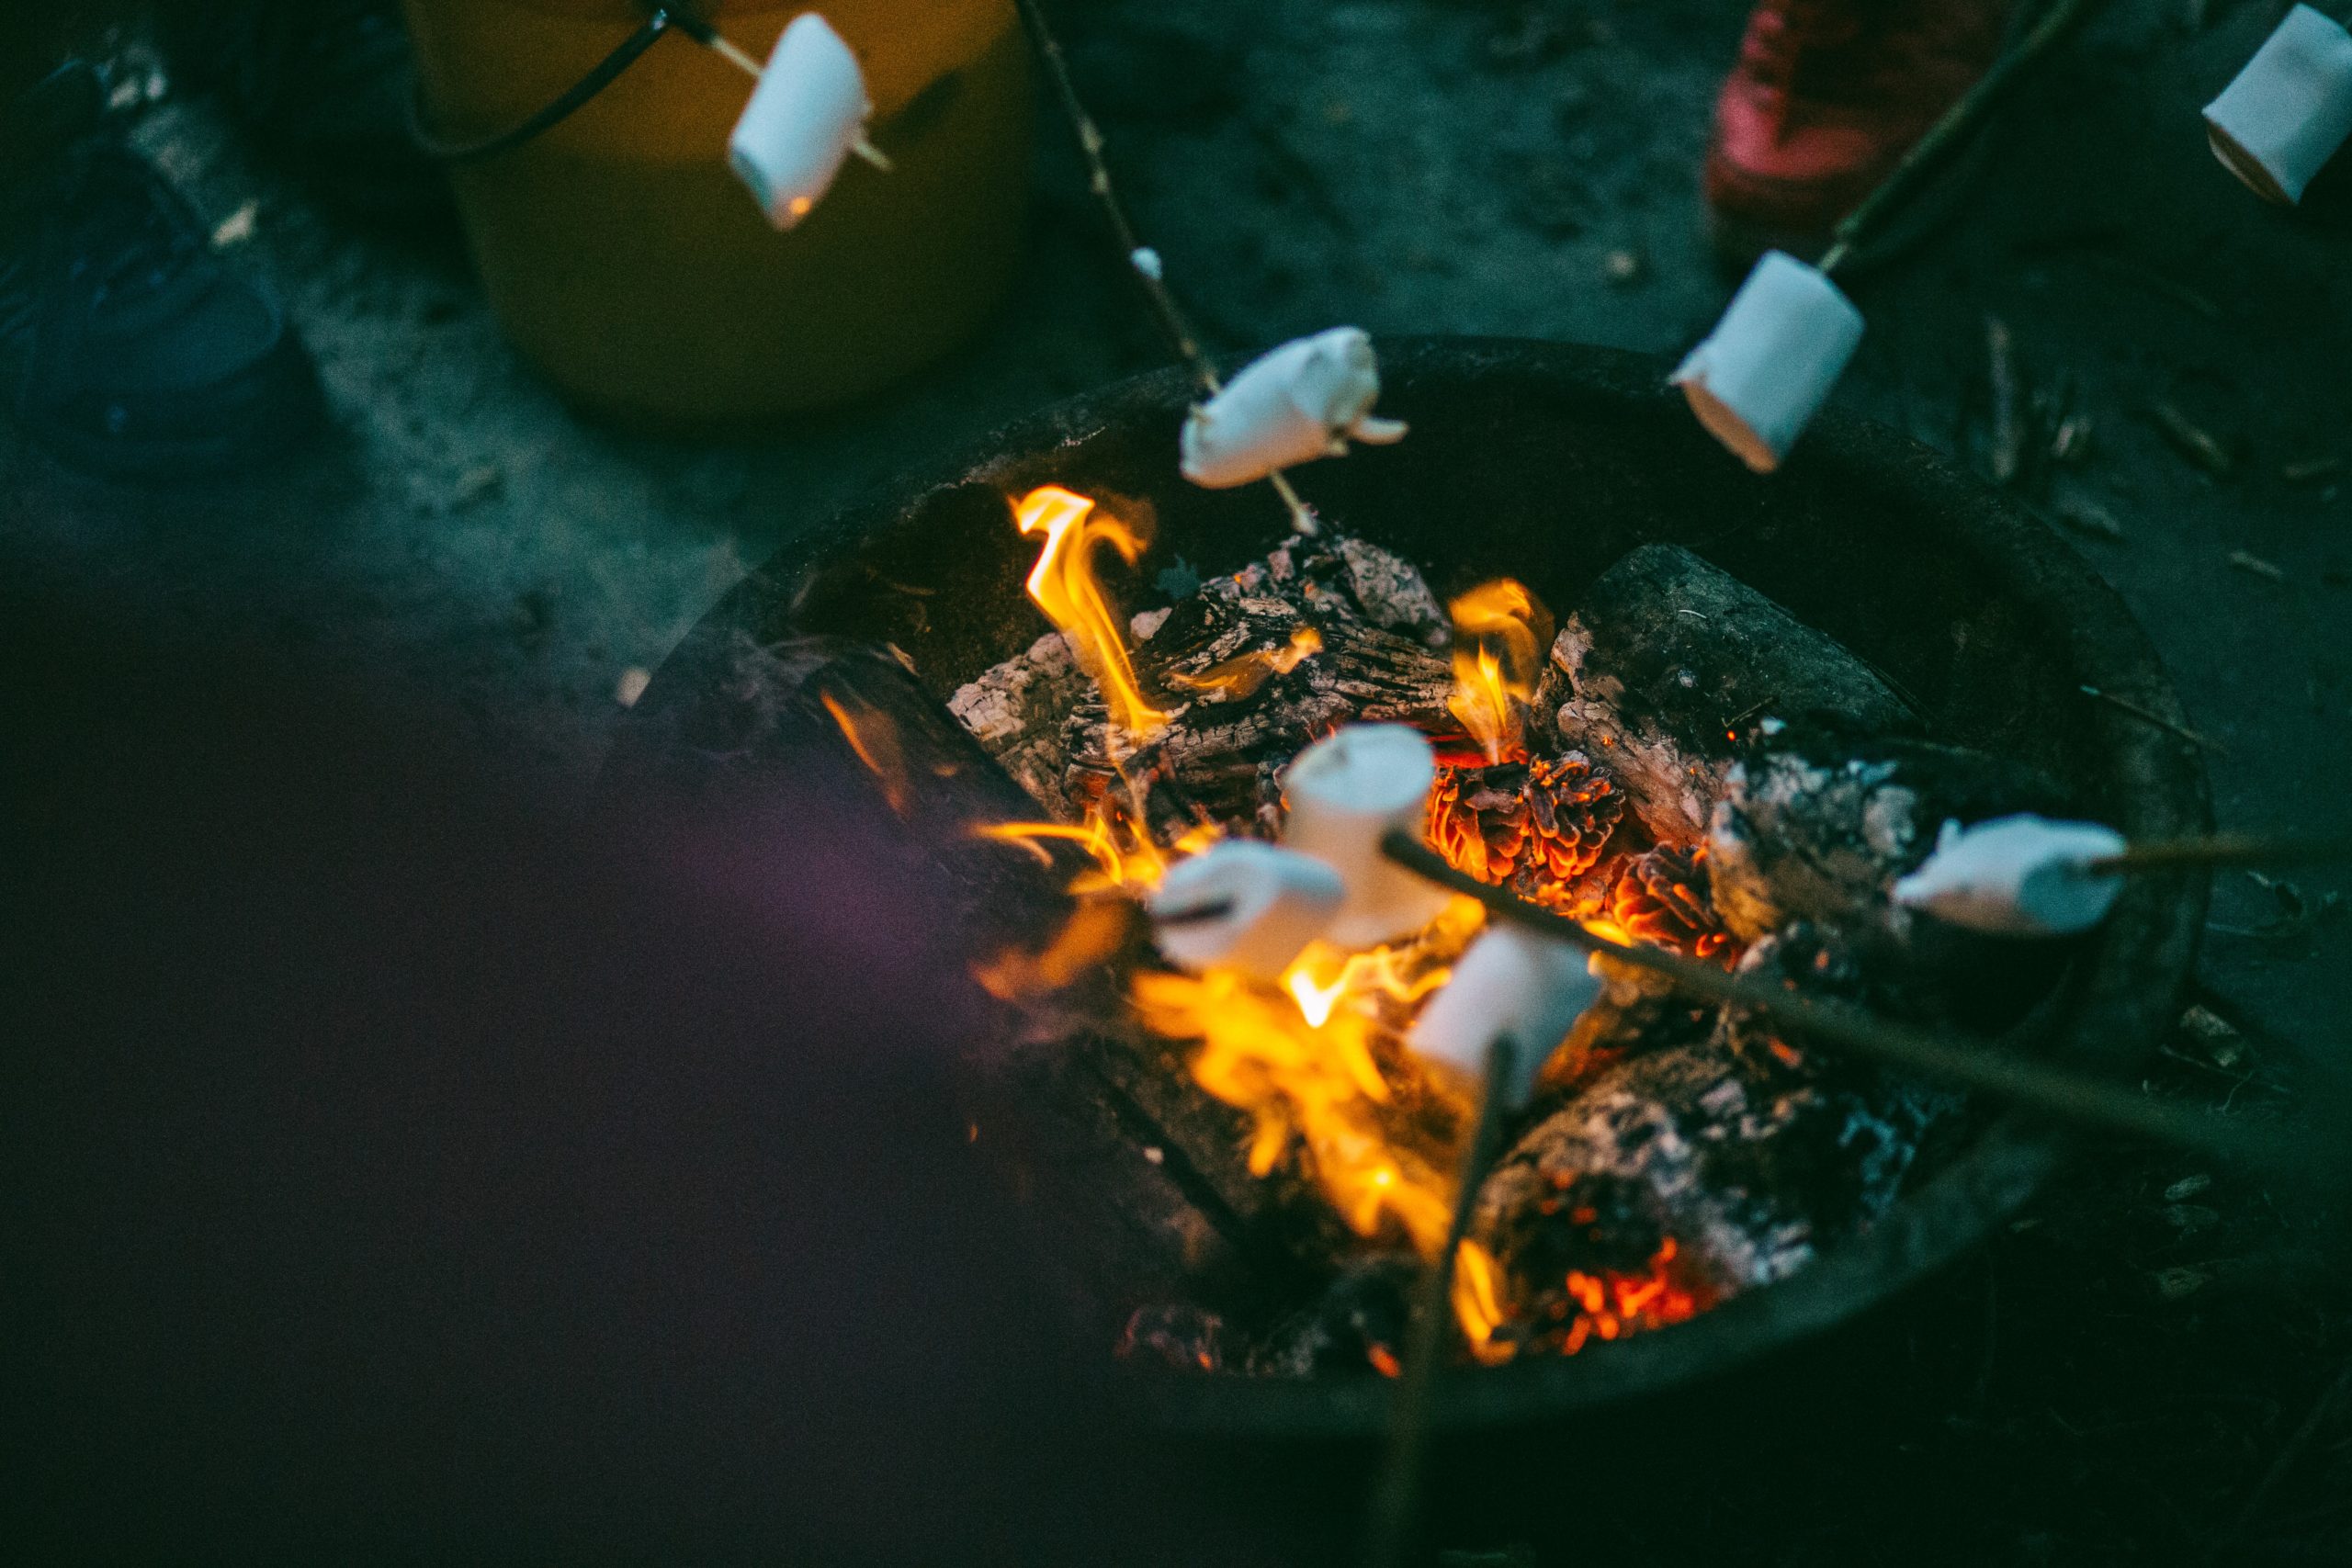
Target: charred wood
1667, 658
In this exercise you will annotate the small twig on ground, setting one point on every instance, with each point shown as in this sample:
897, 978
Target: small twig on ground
1396, 1501
2147, 715
1141, 260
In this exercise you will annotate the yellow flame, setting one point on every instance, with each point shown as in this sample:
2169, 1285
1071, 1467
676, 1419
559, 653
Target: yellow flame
1315, 1084
1062, 583
1125, 856
1501, 634
1241, 675
1298, 1057
1478, 1304
874, 738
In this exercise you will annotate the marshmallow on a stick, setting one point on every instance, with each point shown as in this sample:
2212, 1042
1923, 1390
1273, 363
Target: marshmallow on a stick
806, 116
1764, 372
1243, 905
1511, 982
1302, 401
2288, 110
2021, 875
1346, 792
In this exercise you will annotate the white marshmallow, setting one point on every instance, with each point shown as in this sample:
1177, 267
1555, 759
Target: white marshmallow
2288, 110
1511, 982
1301, 401
804, 117
1346, 792
2020, 876
1764, 372
1280, 901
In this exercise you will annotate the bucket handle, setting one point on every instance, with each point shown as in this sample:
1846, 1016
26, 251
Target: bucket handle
659, 20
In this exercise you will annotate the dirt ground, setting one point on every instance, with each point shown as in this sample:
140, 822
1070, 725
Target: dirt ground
2155, 1365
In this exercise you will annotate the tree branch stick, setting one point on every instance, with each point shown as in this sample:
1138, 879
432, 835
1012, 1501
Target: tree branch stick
2226, 849
1163, 301
2055, 1092
1396, 1501
1943, 137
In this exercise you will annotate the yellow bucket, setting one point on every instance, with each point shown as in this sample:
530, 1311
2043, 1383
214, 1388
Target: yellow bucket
627, 263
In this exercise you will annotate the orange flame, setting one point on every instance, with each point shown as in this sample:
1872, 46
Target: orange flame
1241, 675
1062, 583
1298, 1058
1477, 1305
874, 738
1501, 633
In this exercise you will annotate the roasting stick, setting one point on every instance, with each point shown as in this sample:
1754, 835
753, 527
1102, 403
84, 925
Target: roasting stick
1396, 1501
2070, 1096
2226, 849
1142, 260
2056, 25
727, 48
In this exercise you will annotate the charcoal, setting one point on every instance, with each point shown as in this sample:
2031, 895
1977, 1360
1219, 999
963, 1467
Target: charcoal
1667, 658
1182, 1336
1358, 1323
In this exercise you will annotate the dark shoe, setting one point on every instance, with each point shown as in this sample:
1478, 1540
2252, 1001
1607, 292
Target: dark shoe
321, 87
143, 354
1826, 98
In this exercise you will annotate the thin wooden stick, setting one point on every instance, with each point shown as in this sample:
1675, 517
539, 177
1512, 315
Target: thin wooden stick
2149, 716
1198, 914
728, 50
2063, 18
1395, 1500
1968, 1064
2226, 849
1163, 301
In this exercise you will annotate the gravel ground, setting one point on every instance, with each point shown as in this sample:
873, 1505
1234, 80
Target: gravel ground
2134, 1363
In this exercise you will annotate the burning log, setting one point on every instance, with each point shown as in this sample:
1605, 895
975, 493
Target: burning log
1818, 825
1668, 657
1249, 670
1674, 1179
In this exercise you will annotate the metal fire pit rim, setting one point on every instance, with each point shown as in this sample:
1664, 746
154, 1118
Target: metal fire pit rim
2113, 1020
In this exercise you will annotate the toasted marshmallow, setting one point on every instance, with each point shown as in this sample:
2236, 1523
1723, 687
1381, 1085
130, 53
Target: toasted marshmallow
1302, 401
1764, 372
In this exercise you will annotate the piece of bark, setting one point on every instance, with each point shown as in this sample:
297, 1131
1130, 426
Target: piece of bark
1668, 658
1014, 711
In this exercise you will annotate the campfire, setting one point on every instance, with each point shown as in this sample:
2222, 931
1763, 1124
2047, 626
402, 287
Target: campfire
1309, 1068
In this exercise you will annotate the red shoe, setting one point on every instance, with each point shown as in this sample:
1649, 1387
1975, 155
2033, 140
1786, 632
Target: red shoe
1827, 97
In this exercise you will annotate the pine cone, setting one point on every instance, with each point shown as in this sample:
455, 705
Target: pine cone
1572, 807
1479, 819
1661, 897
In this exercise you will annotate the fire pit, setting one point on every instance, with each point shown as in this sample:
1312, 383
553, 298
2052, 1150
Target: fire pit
1549, 464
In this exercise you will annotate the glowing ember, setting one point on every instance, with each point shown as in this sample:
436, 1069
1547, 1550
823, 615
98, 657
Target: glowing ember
1568, 1316
1062, 583
1501, 633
